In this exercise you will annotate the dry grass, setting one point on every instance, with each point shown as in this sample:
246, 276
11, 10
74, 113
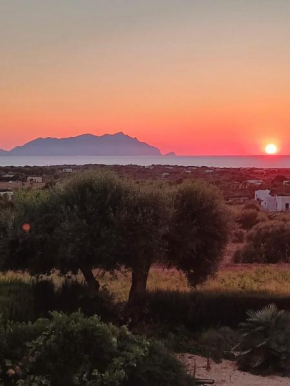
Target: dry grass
251, 279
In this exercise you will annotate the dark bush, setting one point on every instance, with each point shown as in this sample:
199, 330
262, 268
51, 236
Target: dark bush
251, 217
75, 350
44, 297
23, 302
267, 243
16, 300
252, 206
238, 236
159, 368
197, 311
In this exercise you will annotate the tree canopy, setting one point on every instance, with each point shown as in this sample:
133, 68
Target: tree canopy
198, 231
98, 221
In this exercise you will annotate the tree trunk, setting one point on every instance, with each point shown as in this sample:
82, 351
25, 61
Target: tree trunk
92, 282
138, 286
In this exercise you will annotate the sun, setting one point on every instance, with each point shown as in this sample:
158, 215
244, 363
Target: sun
271, 149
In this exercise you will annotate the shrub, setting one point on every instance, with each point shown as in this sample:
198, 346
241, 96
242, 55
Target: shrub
267, 243
238, 236
265, 341
159, 368
251, 217
253, 206
75, 350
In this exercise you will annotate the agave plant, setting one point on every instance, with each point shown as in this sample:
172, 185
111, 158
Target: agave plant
265, 341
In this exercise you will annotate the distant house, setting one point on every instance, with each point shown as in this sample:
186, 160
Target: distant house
35, 179
255, 182
6, 193
272, 203
8, 176
67, 170
165, 174
209, 171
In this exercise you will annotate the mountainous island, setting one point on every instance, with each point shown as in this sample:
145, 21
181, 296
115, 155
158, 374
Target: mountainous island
117, 144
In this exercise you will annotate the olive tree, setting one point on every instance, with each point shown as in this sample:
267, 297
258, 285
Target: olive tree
89, 234
143, 223
71, 228
198, 231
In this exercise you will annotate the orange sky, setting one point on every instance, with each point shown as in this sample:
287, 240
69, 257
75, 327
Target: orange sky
193, 76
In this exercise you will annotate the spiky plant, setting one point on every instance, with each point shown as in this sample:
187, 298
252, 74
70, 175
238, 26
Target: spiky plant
265, 340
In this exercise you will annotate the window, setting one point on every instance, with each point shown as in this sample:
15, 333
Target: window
287, 206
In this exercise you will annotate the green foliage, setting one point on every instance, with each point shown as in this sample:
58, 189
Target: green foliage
74, 350
199, 231
34, 249
265, 340
267, 243
159, 368
89, 234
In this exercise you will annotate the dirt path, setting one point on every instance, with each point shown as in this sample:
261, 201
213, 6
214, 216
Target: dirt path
226, 374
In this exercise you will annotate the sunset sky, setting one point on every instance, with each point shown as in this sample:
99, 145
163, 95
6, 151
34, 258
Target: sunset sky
193, 76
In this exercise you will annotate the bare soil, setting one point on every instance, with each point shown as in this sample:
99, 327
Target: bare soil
226, 373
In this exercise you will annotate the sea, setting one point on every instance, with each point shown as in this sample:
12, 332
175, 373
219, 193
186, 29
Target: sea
261, 161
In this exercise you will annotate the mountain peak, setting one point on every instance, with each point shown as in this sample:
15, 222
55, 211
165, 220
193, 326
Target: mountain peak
118, 144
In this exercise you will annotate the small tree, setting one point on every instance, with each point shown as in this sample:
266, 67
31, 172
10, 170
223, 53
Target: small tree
199, 230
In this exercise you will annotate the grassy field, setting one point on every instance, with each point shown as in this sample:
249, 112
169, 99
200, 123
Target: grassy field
271, 280
251, 279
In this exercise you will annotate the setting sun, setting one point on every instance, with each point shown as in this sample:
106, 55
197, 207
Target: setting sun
271, 149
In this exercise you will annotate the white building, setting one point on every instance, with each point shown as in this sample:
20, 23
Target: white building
8, 176
272, 203
35, 179
255, 182
67, 170
6, 193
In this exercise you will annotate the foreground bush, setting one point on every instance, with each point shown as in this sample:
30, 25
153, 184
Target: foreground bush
72, 296
24, 302
75, 350
265, 342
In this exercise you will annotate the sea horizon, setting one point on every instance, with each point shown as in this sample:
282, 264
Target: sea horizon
218, 161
